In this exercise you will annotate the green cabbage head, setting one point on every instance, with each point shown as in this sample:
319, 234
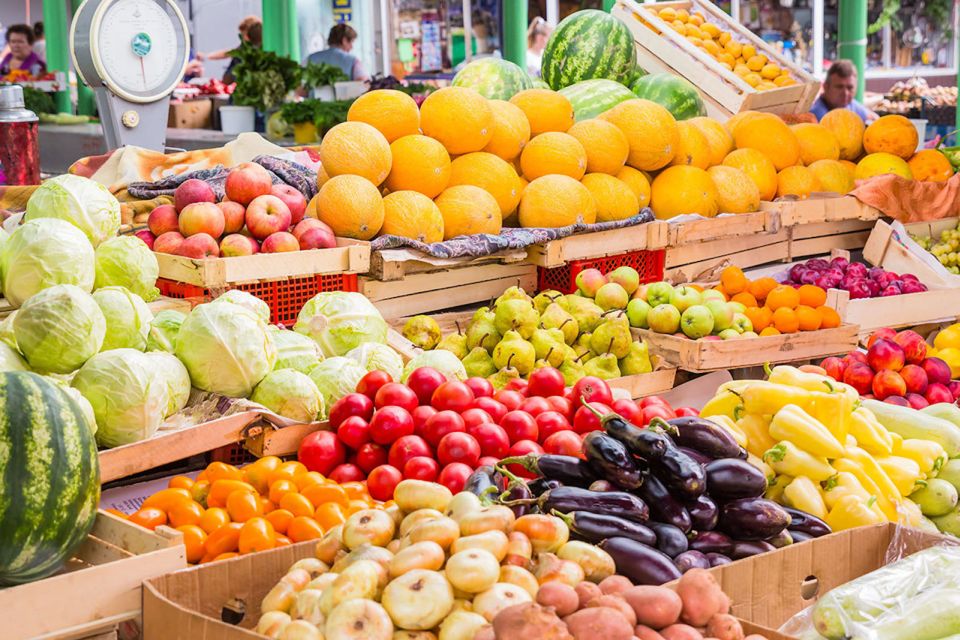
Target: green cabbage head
336, 377
290, 394
128, 318
175, 375
42, 253
374, 356
125, 261
84, 203
11, 360
339, 321
248, 301
164, 328
295, 351
441, 360
59, 329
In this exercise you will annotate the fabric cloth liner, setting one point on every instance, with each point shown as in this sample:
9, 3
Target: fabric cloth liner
910, 200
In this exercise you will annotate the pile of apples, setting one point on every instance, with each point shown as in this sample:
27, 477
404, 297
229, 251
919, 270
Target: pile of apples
895, 369
857, 278
256, 216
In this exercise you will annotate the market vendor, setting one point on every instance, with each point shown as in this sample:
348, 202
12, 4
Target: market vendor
839, 89
20, 40
340, 43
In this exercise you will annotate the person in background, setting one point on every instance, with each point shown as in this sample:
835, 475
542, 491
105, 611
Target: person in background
243, 28
194, 65
537, 35
39, 43
340, 43
21, 55
839, 89
254, 37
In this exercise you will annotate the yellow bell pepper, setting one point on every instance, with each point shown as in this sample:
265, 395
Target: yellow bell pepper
725, 403
766, 398
787, 458
903, 472
833, 410
870, 434
887, 487
793, 424
949, 337
910, 513
728, 425
851, 512
930, 456
887, 506
757, 430
804, 494
775, 487
842, 484
764, 468
794, 377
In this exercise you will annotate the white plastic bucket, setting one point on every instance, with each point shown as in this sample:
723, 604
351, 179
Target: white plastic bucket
921, 127
234, 119
324, 93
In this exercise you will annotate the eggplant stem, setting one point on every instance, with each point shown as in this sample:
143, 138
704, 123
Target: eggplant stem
566, 517
485, 498
666, 428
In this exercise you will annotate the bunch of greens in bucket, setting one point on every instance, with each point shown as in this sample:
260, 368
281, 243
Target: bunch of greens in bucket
324, 115
263, 77
321, 75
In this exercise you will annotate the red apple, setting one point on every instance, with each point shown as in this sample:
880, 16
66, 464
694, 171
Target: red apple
917, 401
280, 242
238, 245
888, 383
234, 215
247, 181
168, 242
294, 200
885, 333
938, 371
885, 354
147, 236
309, 223
937, 393
199, 246
191, 191
201, 217
163, 219
854, 356
954, 387
913, 345
317, 239
859, 376
267, 214
915, 378
834, 367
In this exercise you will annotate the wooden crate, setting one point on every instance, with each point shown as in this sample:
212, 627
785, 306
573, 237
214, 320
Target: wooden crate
98, 588
661, 49
711, 355
584, 246
699, 261
386, 267
907, 310
723, 227
818, 238
887, 249
820, 207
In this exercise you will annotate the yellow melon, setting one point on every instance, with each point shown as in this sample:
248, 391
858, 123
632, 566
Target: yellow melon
651, 131
606, 146
832, 176
816, 142
638, 182
393, 113
769, 135
718, 138
467, 210
683, 189
420, 164
848, 127
556, 201
891, 134
511, 130
877, 164
736, 192
797, 181
737, 118
410, 214
492, 174
546, 110
322, 176
693, 150
930, 165
851, 168
352, 206
356, 148
553, 152
459, 118
757, 167
615, 200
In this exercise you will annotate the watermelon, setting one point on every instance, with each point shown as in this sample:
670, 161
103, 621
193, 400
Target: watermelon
676, 94
493, 78
588, 45
539, 84
50, 476
590, 98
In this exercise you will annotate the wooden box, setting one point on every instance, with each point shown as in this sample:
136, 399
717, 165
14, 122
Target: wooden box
98, 588
819, 238
584, 246
888, 249
661, 49
723, 227
191, 114
820, 207
700, 261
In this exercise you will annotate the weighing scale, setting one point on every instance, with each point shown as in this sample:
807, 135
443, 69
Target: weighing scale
132, 53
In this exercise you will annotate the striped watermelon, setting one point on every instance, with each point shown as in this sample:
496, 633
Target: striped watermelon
493, 78
50, 476
590, 98
587, 45
676, 94
539, 84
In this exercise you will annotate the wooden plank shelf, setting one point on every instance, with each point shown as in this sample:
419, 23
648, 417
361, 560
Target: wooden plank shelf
584, 246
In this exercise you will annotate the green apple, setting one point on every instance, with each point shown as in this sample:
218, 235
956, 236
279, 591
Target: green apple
722, 314
664, 318
684, 297
749, 334
712, 294
696, 321
729, 334
637, 311
659, 293
738, 307
742, 323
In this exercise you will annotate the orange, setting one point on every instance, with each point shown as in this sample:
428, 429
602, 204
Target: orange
929, 165
184, 513
297, 504
553, 153
848, 129
760, 317
830, 318
323, 493
770, 331
329, 515
745, 299
393, 113
419, 164
193, 539
783, 296
409, 214
511, 130
785, 320
733, 280
808, 318
257, 534
546, 110
812, 295
213, 518
492, 174
243, 505
891, 134
467, 209
280, 519
149, 517
459, 118
651, 131
761, 287
356, 148
303, 528
280, 488
223, 539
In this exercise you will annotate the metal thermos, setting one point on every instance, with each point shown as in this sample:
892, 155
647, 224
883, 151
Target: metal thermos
19, 139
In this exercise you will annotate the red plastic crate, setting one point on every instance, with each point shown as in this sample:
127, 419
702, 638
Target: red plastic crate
649, 264
233, 454
284, 297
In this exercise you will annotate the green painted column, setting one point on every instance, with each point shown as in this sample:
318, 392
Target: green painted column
608, 5
852, 41
272, 20
291, 31
55, 25
86, 103
515, 32
956, 61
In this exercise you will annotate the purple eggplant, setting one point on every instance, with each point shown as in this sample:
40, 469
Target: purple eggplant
691, 560
663, 505
482, 481
649, 444
731, 478
602, 485
712, 542
682, 474
640, 563
717, 559
747, 548
539, 486
609, 459
518, 491
703, 513
594, 527
800, 536
569, 470
612, 503
696, 455
810, 524
753, 519
670, 540
782, 539
705, 436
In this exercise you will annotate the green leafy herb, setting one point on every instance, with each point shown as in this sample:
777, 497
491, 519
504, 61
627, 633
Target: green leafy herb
322, 74
38, 101
263, 77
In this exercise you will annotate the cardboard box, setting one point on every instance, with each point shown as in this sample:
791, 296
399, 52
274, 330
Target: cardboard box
191, 114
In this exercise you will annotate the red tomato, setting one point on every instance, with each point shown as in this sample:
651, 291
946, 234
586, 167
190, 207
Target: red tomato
354, 431
519, 425
420, 416
657, 411
549, 423
564, 443
407, 447
493, 440
648, 400
452, 395
474, 416
390, 423
509, 398
352, 404
421, 468
563, 405
382, 481
687, 411
493, 408
516, 384
370, 384
488, 461
454, 476
370, 456
535, 406
347, 473
439, 425
321, 451
424, 381
458, 447
628, 410
522, 448
394, 394
545, 382
592, 389
584, 421
481, 387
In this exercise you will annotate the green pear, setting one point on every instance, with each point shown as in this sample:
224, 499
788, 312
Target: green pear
513, 293
455, 343
584, 311
554, 317
479, 364
482, 331
637, 360
581, 350
572, 371
547, 344
516, 315
604, 367
480, 314
422, 331
514, 351
500, 379
544, 299
613, 336
583, 340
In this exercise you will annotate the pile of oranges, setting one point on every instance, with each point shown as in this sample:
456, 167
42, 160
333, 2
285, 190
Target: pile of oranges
228, 511
776, 308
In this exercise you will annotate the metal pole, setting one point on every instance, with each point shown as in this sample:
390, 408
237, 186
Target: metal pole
58, 57
818, 38
291, 29
86, 103
467, 30
553, 12
515, 32
852, 41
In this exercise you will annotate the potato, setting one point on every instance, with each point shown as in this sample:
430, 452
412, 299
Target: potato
359, 580
411, 495
473, 570
723, 626
421, 555
494, 541
599, 622
656, 607
368, 526
329, 545
461, 625
644, 632
416, 517
563, 598
702, 597
595, 562
301, 630
444, 531
497, 517
528, 620
418, 600
615, 602
358, 619
272, 623
497, 598
615, 584
680, 632
485, 633
519, 549
519, 576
